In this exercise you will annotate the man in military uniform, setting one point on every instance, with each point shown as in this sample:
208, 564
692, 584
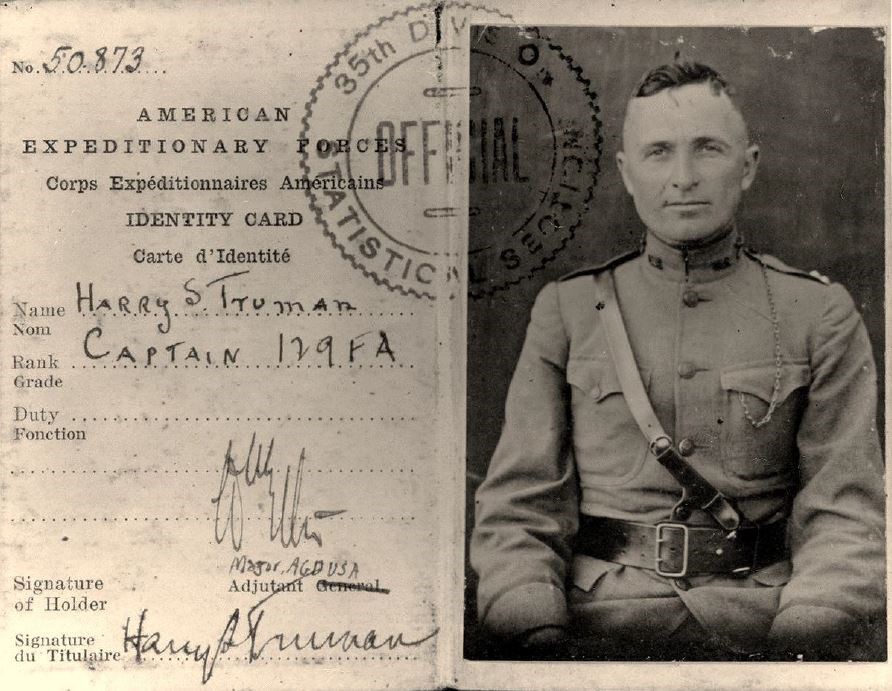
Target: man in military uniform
762, 379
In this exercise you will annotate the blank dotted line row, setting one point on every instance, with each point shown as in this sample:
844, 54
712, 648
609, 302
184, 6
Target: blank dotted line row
114, 519
298, 366
177, 471
175, 519
351, 313
287, 418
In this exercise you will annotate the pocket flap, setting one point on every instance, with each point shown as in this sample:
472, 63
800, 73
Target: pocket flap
758, 379
596, 377
587, 571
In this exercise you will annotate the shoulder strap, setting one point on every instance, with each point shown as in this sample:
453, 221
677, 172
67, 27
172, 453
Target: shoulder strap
776, 264
611, 263
698, 491
624, 360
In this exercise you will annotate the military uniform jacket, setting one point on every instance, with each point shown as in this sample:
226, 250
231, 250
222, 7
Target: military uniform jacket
700, 326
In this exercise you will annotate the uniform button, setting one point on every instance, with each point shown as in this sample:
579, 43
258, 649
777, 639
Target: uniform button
690, 298
686, 370
685, 447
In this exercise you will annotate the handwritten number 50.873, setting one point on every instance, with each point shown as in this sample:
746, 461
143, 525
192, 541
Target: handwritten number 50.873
115, 60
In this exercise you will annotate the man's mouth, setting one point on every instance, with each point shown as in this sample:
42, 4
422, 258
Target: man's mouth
686, 204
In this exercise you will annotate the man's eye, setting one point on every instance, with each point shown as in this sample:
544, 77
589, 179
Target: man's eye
711, 148
656, 152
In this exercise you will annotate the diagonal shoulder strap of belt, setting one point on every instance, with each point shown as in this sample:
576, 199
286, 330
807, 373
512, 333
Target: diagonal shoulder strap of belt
697, 491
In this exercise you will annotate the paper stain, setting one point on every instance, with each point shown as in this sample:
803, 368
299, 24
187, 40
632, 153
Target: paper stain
776, 54
879, 33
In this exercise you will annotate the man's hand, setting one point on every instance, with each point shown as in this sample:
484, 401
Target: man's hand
812, 633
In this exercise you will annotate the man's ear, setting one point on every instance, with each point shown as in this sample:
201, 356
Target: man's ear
621, 164
750, 164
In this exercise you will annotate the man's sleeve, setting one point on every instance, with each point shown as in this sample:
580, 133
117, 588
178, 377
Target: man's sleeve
527, 509
837, 521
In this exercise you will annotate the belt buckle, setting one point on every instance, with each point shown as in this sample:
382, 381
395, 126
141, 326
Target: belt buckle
658, 560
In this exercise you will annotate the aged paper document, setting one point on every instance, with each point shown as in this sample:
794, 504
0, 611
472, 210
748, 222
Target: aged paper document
221, 454
254, 353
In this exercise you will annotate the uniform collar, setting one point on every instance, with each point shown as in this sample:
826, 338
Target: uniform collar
699, 264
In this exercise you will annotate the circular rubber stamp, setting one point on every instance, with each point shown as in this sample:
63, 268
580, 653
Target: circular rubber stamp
534, 151
390, 148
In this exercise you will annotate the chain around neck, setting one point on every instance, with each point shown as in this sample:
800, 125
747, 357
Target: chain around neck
775, 327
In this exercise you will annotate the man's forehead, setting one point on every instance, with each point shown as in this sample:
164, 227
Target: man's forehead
689, 111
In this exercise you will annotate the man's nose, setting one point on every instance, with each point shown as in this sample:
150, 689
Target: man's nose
684, 172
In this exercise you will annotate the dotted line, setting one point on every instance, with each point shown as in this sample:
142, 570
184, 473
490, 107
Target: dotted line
271, 659
298, 366
86, 70
177, 471
342, 658
287, 418
114, 519
167, 519
351, 313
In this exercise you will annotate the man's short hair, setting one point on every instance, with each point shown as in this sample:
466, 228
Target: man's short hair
680, 73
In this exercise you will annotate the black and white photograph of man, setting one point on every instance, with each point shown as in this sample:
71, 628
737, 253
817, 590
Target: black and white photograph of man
680, 457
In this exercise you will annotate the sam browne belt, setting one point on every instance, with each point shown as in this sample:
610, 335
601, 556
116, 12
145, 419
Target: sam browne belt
672, 548
676, 549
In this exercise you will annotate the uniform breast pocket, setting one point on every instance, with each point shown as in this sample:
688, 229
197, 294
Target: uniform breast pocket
610, 448
767, 451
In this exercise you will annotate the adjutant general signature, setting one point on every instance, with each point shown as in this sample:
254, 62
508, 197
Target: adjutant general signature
234, 636
285, 525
